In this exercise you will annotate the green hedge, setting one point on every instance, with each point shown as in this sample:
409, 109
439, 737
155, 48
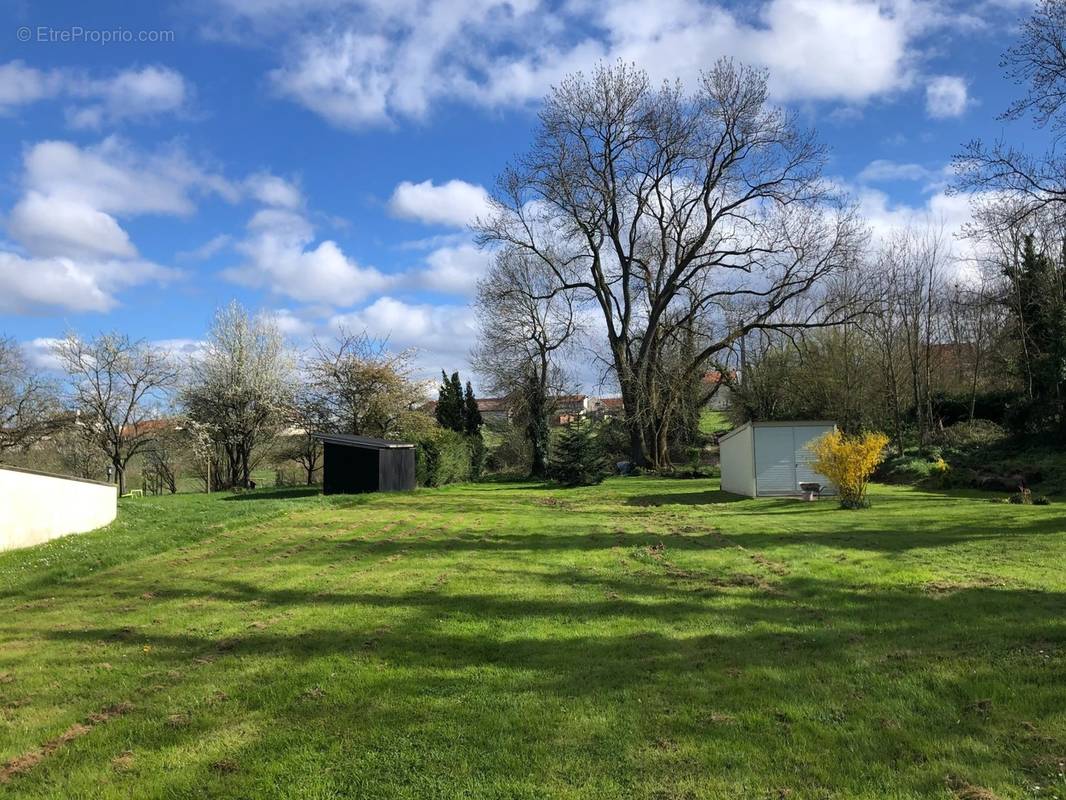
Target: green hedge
446, 457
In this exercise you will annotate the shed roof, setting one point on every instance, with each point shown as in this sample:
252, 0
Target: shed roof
775, 423
365, 442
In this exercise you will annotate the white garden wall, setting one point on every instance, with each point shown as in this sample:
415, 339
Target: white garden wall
36, 507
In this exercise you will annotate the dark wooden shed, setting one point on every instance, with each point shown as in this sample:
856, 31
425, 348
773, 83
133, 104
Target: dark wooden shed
354, 464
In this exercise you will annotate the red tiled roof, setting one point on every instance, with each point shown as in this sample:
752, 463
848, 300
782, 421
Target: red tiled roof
488, 404
149, 426
714, 376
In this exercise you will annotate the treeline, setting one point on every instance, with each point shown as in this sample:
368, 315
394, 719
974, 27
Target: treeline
654, 235
937, 343
243, 399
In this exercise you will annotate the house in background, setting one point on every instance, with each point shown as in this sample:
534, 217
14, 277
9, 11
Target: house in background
570, 408
714, 381
494, 410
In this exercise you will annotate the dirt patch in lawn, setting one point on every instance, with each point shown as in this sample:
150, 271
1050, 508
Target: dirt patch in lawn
27, 761
944, 588
775, 567
964, 790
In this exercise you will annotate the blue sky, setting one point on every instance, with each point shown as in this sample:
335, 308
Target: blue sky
319, 159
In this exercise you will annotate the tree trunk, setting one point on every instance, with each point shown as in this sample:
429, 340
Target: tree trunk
120, 475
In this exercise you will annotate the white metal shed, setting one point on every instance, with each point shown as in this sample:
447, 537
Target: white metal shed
767, 459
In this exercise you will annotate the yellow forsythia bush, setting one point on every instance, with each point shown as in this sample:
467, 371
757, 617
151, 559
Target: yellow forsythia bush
849, 461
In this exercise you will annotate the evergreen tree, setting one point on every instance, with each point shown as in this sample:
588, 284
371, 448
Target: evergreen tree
471, 413
1039, 310
578, 459
536, 409
450, 403
457, 395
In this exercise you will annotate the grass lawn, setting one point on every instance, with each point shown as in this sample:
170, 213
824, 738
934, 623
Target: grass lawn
711, 421
643, 639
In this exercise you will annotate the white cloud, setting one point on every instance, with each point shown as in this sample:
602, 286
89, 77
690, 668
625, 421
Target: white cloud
271, 190
379, 62
115, 178
72, 252
456, 203
182, 350
291, 323
52, 225
453, 269
945, 96
45, 285
21, 85
279, 257
442, 334
885, 170
209, 249
130, 94
41, 353
940, 209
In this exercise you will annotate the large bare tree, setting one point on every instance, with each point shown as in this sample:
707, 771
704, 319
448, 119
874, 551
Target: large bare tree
1031, 181
27, 399
523, 327
661, 208
119, 387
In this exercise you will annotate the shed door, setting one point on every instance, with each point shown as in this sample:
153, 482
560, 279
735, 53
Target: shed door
804, 458
775, 464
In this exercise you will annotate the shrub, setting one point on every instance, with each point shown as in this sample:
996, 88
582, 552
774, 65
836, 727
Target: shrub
443, 457
510, 453
938, 471
973, 433
476, 445
1022, 498
904, 469
613, 438
1041, 500
578, 459
848, 462
285, 477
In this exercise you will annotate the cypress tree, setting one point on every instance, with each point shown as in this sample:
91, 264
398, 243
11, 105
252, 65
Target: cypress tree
456, 393
537, 424
471, 413
450, 403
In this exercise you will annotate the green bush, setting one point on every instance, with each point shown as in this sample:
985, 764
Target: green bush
510, 452
1022, 498
476, 446
973, 433
905, 469
578, 458
444, 457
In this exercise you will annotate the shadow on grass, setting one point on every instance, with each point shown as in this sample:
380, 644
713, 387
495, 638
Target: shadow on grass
277, 494
802, 623
666, 660
708, 497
